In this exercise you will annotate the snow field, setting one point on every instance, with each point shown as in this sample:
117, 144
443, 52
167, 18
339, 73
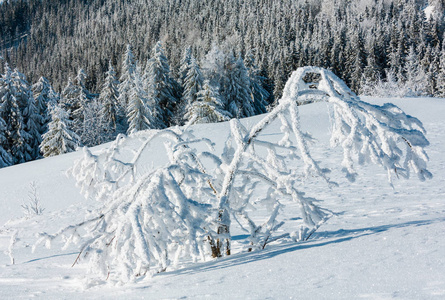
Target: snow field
383, 243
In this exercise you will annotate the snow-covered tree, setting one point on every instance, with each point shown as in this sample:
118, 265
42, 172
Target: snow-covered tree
183, 207
193, 82
11, 113
5, 156
44, 96
237, 90
96, 129
139, 114
207, 108
160, 86
259, 93
109, 97
185, 65
60, 138
441, 75
414, 75
33, 127
127, 76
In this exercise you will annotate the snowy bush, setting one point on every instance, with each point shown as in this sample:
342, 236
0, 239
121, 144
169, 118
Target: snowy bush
154, 218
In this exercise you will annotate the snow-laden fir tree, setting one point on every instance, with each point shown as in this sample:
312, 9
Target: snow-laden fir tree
112, 112
128, 68
193, 83
207, 108
139, 114
96, 130
11, 114
5, 156
80, 102
60, 138
441, 75
44, 96
415, 77
33, 127
237, 92
185, 65
259, 93
32, 119
161, 86
69, 97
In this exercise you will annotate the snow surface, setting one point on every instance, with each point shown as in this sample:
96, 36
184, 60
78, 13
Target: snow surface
384, 243
429, 10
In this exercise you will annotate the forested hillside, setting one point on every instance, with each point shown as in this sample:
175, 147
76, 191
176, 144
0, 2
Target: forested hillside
360, 41
79, 73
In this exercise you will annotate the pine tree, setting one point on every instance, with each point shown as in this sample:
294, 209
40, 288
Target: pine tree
127, 76
5, 156
32, 128
69, 98
112, 112
207, 108
259, 93
59, 139
160, 86
11, 114
441, 75
185, 65
193, 83
30, 124
237, 90
414, 74
138, 112
44, 96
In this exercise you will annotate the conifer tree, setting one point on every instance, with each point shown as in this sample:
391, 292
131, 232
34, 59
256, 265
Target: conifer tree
5, 156
44, 96
193, 82
161, 87
60, 138
414, 74
109, 97
237, 90
128, 69
185, 65
259, 93
207, 108
138, 112
441, 75
11, 114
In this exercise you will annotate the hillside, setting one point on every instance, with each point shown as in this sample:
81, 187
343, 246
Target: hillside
383, 242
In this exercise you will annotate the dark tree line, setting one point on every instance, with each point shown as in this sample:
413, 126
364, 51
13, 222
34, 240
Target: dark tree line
361, 41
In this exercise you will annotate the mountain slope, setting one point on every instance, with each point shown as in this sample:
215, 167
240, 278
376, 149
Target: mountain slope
383, 242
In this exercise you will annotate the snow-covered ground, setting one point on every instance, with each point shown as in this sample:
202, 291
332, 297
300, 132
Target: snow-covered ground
383, 243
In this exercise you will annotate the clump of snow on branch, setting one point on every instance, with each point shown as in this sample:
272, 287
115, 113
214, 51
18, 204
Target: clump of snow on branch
157, 218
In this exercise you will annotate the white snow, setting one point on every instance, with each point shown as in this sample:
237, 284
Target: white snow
429, 10
383, 243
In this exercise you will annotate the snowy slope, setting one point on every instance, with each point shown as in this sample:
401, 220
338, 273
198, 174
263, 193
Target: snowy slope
383, 243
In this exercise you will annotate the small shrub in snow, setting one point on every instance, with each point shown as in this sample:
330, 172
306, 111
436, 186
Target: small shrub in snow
33, 206
153, 219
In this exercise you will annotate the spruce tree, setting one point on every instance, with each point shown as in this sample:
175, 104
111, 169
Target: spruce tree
60, 138
128, 69
207, 108
11, 114
161, 87
259, 93
185, 65
237, 90
44, 96
112, 112
5, 156
138, 112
